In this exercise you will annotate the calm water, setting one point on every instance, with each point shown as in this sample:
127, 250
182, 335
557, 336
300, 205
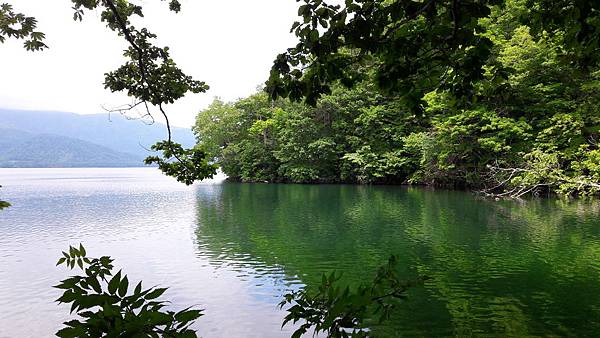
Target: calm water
498, 268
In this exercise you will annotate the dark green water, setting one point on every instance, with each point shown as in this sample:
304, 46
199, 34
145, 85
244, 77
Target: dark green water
498, 268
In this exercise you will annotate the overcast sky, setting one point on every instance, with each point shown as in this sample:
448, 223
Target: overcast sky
229, 44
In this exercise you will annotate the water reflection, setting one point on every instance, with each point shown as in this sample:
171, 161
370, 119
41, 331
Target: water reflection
498, 268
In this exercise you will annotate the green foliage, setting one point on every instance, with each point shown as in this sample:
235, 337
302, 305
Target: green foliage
216, 127
186, 165
483, 95
543, 171
19, 26
466, 142
341, 311
306, 156
239, 137
576, 25
107, 306
255, 139
419, 45
589, 165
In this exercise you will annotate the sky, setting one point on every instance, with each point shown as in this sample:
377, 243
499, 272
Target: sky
229, 44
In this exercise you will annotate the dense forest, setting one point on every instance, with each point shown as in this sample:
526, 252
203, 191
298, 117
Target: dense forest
529, 125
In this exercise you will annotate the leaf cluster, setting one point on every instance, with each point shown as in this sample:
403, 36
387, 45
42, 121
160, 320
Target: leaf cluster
150, 75
107, 306
186, 165
417, 46
19, 26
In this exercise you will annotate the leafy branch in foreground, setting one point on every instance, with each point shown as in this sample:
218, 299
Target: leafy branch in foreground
418, 46
109, 308
341, 311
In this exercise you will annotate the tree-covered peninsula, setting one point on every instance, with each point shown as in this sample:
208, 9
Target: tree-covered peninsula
529, 124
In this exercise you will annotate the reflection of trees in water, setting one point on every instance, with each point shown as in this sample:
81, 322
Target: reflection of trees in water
527, 270
498, 267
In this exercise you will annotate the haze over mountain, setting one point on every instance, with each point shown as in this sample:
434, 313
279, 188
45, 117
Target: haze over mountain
20, 149
59, 139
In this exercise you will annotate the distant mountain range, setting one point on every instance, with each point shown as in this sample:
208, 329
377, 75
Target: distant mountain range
59, 139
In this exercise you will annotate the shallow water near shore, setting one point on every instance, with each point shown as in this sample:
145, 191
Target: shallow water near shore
497, 269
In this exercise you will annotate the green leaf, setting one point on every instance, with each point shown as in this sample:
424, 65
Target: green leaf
72, 251
123, 286
95, 284
155, 293
114, 283
188, 315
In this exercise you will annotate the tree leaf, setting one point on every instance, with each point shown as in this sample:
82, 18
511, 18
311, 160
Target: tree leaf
114, 283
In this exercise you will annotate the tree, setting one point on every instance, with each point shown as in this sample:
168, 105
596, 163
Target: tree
533, 99
149, 75
417, 46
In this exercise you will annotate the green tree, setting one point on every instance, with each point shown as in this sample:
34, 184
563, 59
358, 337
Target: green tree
149, 75
418, 46
522, 94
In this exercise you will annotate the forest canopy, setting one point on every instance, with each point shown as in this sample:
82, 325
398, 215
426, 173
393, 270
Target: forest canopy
509, 106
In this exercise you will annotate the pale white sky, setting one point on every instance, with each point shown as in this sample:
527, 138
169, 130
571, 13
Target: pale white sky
229, 44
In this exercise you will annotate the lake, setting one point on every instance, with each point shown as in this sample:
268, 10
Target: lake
497, 268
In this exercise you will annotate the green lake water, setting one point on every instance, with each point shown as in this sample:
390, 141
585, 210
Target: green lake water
497, 268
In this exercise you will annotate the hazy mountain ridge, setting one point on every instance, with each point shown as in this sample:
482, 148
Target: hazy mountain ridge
23, 150
58, 139
113, 131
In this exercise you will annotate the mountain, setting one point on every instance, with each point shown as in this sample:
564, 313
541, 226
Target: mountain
21, 149
59, 139
112, 131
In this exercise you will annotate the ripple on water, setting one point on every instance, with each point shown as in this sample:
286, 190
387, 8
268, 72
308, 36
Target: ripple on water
497, 269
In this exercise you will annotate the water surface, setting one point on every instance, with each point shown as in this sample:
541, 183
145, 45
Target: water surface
498, 269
